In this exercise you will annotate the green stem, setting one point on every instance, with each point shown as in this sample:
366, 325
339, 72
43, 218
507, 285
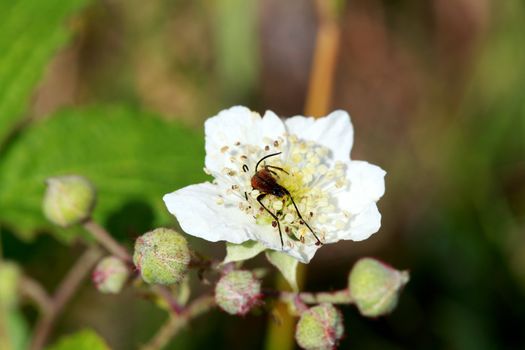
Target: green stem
337, 297
107, 241
34, 291
70, 283
176, 322
318, 102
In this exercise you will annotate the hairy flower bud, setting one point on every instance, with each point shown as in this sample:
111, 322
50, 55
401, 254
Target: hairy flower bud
238, 292
162, 256
375, 286
9, 278
110, 274
319, 328
68, 200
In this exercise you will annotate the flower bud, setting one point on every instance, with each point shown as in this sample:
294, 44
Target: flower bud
9, 278
375, 287
238, 292
110, 274
319, 328
162, 256
68, 200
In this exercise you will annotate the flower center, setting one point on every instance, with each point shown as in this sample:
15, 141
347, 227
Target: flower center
306, 171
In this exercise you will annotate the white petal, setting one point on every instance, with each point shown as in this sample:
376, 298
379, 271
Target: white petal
364, 224
360, 227
367, 185
302, 252
199, 215
334, 131
238, 124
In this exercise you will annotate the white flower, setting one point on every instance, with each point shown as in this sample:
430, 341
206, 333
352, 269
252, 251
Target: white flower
335, 196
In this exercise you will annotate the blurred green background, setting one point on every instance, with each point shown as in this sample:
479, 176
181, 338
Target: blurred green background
118, 91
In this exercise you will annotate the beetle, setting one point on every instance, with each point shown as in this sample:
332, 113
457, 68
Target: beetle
264, 181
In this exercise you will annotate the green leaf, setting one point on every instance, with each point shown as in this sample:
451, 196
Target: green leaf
286, 265
32, 31
244, 251
83, 340
131, 157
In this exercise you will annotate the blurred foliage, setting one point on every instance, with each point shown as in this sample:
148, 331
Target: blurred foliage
132, 158
82, 340
235, 26
32, 31
16, 335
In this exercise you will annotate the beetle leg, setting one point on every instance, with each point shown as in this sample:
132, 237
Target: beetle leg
259, 199
300, 217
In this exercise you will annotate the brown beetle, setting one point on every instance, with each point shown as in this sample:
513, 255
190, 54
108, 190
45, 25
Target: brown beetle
264, 181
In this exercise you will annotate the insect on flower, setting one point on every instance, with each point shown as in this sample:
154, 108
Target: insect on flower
287, 184
264, 181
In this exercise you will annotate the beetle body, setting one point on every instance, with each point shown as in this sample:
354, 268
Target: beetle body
264, 182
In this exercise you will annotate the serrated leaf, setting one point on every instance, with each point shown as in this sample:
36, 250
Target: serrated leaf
132, 158
31, 32
83, 340
286, 265
241, 252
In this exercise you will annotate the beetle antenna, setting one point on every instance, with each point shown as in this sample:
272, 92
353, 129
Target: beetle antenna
265, 157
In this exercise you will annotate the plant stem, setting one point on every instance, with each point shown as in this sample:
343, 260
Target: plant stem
320, 86
337, 297
318, 102
107, 241
176, 322
35, 292
165, 293
70, 283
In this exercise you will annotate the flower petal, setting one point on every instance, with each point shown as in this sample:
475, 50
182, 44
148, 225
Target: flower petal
238, 124
334, 131
364, 224
360, 227
367, 186
198, 214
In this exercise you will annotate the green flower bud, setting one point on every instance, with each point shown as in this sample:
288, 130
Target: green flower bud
162, 256
319, 328
68, 200
9, 278
238, 292
110, 274
375, 287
